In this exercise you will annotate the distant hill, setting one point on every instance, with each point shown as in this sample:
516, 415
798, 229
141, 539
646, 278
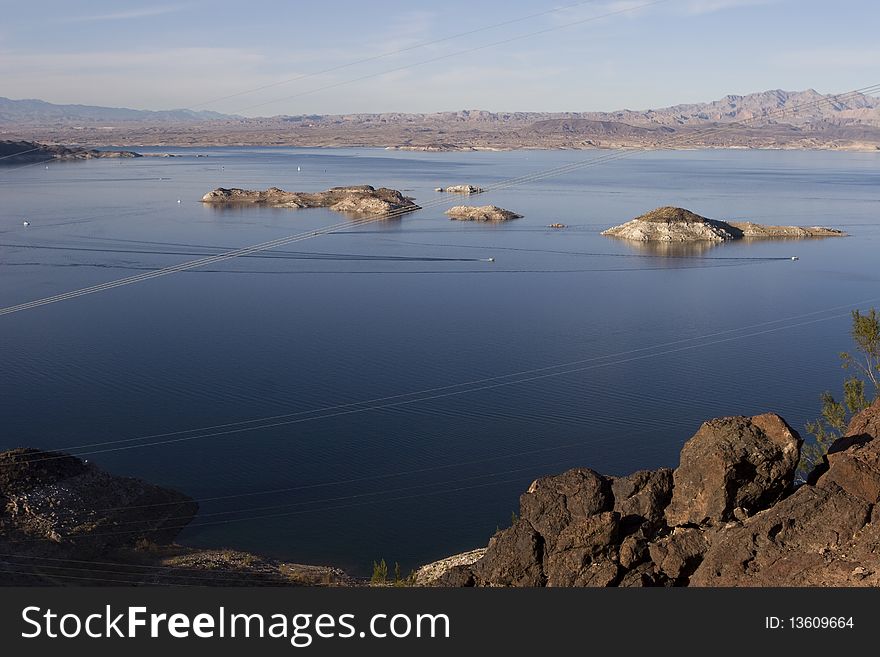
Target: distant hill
39, 112
768, 119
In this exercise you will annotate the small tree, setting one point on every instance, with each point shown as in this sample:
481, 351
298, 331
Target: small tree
866, 335
836, 415
380, 572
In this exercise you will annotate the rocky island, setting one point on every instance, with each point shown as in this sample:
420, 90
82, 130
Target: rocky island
357, 199
671, 224
484, 213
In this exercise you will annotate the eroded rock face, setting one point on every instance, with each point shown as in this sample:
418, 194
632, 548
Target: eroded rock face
791, 544
514, 558
642, 497
733, 466
358, 199
482, 213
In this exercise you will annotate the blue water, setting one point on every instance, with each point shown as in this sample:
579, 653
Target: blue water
655, 341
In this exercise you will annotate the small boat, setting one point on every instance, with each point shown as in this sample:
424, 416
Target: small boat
794, 257
25, 223
556, 226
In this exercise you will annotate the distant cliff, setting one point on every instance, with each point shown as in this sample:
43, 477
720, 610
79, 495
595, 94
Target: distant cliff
769, 119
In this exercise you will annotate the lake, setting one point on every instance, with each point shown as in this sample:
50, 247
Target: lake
406, 389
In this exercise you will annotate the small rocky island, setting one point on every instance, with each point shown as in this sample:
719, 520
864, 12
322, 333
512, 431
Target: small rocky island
461, 189
484, 213
357, 199
671, 224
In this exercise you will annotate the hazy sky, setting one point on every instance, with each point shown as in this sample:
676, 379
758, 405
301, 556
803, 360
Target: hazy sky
166, 53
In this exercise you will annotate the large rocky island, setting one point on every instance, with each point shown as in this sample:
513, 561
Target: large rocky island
730, 514
671, 224
357, 199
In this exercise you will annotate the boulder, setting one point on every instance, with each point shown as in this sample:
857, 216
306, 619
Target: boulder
678, 554
642, 497
733, 464
513, 558
552, 503
584, 552
853, 462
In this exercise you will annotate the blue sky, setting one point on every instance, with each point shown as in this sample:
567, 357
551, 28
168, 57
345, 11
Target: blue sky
189, 53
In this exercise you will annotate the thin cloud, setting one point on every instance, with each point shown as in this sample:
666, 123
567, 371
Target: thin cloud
128, 15
710, 6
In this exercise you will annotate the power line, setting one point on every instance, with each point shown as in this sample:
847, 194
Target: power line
439, 392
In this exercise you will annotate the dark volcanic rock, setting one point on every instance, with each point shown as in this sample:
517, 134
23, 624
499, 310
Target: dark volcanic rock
678, 554
733, 463
853, 462
552, 503
642, 497
514, 558
791, 544
584, 552
64, 521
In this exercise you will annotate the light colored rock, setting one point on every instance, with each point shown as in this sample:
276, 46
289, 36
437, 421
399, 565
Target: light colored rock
430, 573
461, 189
484, 213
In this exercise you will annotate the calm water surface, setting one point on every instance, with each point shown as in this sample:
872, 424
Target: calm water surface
633, 348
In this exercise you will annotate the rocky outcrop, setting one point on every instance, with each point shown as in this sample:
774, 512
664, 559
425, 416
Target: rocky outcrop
733, 467
461, 189
65, 521
59, 498
481, 213
729, 515
359, 199
25, 152
671, 224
